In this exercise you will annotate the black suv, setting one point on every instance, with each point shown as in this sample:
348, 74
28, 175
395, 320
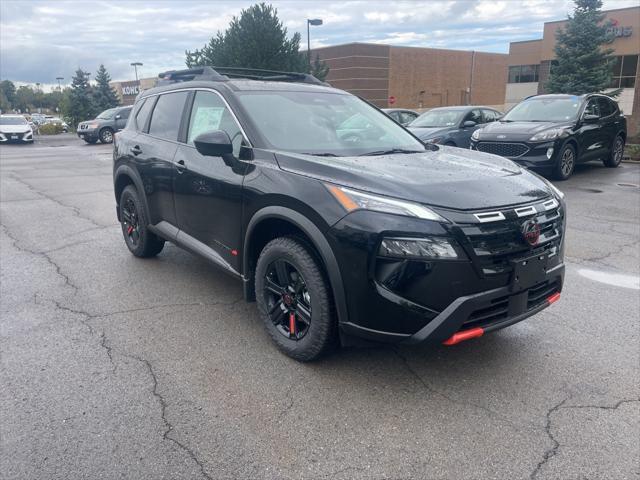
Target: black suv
338, 221
551, 133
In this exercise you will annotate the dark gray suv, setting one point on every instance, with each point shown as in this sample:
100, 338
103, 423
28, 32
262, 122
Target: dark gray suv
104, 125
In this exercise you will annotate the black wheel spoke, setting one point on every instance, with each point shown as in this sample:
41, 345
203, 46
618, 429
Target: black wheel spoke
304, 314
277, 316
276, 305
282, 272
273, 287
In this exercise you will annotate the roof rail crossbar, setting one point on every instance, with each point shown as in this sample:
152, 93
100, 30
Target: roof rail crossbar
198, 73
268, 75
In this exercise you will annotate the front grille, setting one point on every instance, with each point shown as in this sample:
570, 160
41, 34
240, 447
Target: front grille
14, 136
496, 244
503, 149
539, 294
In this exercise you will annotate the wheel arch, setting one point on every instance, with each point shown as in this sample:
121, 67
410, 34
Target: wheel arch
293, 222
123, 176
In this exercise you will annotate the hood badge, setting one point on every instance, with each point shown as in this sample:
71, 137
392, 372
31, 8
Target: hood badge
531, 232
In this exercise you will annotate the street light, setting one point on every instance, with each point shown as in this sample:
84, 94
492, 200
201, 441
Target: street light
316, 22
58, 79
135, 65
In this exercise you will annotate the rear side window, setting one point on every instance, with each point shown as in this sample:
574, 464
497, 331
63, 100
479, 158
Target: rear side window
408, 117
124, 113
142, 114
167, 114
607, 107
474, 116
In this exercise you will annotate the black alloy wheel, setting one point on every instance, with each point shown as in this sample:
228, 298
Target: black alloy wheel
140, 241
616, 153
566, 163
130, 222
288, 299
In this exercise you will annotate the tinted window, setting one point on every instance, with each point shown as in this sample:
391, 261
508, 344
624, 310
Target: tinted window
606, 107
167, 114
143, 113
474, 116
210, 113
489, 116
408, 117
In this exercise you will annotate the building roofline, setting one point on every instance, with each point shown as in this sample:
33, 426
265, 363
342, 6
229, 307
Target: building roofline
602, 11
406, 46
526, 41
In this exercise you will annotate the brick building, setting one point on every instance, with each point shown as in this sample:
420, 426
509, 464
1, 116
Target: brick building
416, 77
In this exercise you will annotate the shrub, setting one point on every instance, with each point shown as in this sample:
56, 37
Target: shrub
50, 129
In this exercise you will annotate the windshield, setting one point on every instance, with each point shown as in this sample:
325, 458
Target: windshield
12, 121
438, 118
324, 123
544, 110
107, 114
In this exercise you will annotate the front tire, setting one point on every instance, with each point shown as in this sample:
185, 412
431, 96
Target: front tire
140, 241
616, 153
566, 163
91, 141
294, 299
106, 135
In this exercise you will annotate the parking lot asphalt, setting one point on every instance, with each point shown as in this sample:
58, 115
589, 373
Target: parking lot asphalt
117, 367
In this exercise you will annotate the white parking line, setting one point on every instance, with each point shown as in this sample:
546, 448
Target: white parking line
615, 279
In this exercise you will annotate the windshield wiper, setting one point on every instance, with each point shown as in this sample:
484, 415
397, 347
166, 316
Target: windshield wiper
389, 152
321, 154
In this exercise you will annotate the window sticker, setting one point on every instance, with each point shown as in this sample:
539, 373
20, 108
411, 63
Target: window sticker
206, 119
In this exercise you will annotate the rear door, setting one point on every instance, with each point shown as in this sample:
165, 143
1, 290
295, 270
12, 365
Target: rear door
121, 118
154, 149
208, 191
591, 136
610, 121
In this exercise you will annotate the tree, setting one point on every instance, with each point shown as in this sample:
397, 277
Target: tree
8, 91
25, 99
256, 39
79, 106
104, 97
319, 69
584, 61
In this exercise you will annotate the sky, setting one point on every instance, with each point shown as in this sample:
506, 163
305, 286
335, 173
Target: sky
42, 40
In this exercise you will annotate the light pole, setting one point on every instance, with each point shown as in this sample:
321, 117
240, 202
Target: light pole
316, 22
135, 66
59, 79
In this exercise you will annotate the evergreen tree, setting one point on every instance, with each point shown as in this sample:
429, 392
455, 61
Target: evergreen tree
255, 39
584, 60
319, 69
79, 104
8, 90
104, 97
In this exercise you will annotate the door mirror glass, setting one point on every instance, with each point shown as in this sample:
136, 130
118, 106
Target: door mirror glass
590, 118
469, 124
213, 144
118, 117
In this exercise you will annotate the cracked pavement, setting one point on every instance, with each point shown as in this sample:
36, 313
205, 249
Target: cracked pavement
116, 367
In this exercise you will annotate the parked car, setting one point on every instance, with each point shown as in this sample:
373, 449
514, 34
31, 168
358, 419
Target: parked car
58, 121
383, 237
403, 116
552, 133
15, 129
104, 125
452, 126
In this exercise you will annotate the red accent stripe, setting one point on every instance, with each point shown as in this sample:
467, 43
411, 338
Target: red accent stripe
464, 335
553, 298
292, 323
234, 253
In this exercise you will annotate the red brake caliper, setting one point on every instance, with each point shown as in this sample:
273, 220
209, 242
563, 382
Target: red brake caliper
292, 323
129, 230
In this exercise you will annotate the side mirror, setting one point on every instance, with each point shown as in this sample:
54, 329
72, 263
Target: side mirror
213, 144
469, 124
587, 118
118, 117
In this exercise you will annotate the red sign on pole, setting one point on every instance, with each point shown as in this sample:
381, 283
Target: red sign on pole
392, 100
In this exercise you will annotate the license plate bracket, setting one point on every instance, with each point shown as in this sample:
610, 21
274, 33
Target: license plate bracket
14, 137
529, 271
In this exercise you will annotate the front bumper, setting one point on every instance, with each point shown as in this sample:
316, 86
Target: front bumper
22, 137
541, 157
88, 134
413, 301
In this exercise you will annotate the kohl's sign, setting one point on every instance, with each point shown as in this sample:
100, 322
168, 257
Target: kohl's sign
618, 31
130, 89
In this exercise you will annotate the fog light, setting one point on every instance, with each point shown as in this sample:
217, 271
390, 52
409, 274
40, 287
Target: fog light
434, 247
549, 152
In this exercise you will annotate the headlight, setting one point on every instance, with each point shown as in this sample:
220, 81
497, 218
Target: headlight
354, 200
430, 247
93, 125
476, 134
555, 189
433, 140
547, 135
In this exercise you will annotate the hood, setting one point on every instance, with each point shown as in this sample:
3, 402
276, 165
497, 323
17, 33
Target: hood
516, 130
424, 133
448, 177
15, 128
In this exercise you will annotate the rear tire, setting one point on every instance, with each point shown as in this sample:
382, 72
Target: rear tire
140, 241
290, 281
566, 163
616, 153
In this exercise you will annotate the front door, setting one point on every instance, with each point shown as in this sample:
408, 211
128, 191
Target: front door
208, 191
591, 134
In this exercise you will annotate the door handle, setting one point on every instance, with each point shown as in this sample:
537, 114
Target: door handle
136, 150
180, 166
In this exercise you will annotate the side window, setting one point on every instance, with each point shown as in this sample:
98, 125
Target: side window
209, 112
394, 115
592, 107
474, 116
142, 114
408, 117
488, 116
167, 114
124, 113
607, 107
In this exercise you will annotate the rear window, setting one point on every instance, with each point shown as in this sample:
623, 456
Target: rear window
167, 114
142, 114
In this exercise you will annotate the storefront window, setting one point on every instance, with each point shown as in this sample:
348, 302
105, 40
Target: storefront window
523, 73
624, 70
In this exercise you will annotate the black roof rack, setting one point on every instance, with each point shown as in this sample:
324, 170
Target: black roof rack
224, 74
